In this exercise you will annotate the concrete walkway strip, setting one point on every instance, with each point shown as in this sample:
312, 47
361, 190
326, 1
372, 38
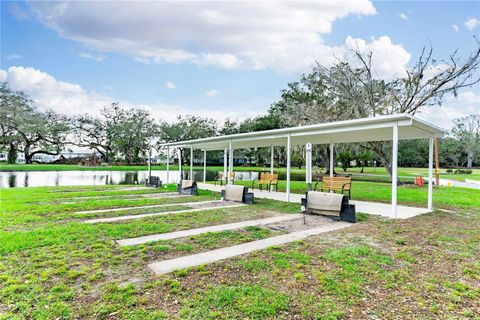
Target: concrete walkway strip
131, 197
145, 207
193, 232
163, 267
147, 215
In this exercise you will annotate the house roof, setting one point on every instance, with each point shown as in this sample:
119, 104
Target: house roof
348, 131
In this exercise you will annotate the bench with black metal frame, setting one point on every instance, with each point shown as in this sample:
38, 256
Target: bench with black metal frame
187, 187
336, 183
346, 212
269, 179
247, 197
153, 181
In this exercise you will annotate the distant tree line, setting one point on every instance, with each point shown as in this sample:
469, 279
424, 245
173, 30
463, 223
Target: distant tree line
345, 90
117, 133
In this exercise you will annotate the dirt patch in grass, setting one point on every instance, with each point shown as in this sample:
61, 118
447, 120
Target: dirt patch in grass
303, 223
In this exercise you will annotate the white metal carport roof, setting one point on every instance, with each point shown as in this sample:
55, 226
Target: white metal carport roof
357, 130
383, 128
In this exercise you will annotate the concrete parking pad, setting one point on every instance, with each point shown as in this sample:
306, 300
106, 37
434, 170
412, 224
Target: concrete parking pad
193, 232
146, 215
163, 267
145, 207
130, 197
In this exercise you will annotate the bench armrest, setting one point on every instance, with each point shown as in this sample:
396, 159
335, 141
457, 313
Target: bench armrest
346, 184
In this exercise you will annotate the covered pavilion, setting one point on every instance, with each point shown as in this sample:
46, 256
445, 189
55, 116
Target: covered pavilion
381, 128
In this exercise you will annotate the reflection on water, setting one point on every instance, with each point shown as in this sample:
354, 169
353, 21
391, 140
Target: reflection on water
91, 178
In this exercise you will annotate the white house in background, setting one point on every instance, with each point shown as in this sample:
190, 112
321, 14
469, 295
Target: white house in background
4, 157
46, 158
238, 160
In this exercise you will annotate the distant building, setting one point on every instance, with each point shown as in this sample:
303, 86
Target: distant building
237, 160
4, 157
47, 158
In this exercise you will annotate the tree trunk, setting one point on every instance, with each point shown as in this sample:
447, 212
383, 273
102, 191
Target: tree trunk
470, 159
28, 156
103, 155
388, 166
12, 154
108, 154
326, 158
378, 149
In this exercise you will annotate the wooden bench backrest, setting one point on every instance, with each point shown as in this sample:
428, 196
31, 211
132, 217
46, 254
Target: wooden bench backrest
267, 177
336, 183
232, 175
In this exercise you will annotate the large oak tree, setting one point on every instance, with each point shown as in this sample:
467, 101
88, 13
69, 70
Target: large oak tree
349, 90
25, 128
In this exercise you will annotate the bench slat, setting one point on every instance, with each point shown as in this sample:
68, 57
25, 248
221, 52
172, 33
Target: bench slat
267, 178
337, 183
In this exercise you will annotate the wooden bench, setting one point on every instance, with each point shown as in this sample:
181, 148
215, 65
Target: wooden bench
220, 178
266, 179
337, 183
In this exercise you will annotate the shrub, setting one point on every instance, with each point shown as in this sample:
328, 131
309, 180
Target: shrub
345, 157
468, 171
449, 171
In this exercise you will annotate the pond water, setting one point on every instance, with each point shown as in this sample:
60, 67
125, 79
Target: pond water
93, 177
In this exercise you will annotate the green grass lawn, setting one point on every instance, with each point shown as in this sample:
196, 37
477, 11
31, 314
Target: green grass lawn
54, 267
368, 171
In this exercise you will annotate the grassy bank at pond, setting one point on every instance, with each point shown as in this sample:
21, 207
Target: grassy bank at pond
367, 171
53, 266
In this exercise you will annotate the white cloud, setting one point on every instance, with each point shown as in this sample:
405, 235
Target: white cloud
471, 23
212, 93
69, 98
388, 59
455, 28
47, 92
433, 70
17, 11
96, 58
170, 85
470, 98
14, 56
164, 112
284, 36
466, 103
225, 60
402, 16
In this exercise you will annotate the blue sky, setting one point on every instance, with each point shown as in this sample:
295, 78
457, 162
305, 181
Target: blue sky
222, 60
